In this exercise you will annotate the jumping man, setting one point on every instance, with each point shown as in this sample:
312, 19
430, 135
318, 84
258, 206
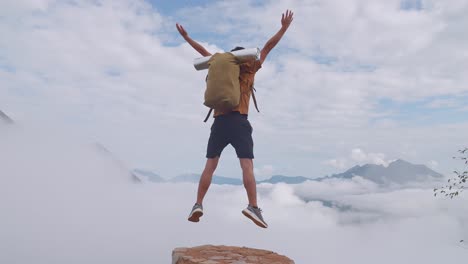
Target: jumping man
232, 127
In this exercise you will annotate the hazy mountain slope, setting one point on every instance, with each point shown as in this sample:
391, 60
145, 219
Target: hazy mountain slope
146, 175
399, 171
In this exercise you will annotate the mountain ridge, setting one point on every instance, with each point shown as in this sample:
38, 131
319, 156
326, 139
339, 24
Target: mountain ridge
398, 171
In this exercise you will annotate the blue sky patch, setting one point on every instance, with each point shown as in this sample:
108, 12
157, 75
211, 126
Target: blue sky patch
411, 5
113, 72
7, 68
428, 111
169, 7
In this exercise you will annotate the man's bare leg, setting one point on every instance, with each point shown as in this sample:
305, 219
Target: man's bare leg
205, 179
252, 211
203, 185
249, 180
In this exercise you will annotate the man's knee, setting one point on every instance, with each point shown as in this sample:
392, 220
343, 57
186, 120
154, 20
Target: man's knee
246, 165
211, 164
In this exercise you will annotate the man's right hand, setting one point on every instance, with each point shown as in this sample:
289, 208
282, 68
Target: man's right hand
182, 31
192, 42
287, 19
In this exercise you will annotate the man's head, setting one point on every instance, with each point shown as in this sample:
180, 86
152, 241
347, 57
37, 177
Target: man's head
237, 48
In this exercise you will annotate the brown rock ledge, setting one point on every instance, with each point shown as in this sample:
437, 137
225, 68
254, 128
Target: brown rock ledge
209, 254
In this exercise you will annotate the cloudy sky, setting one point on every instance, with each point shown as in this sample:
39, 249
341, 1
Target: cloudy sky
352, 82
61, 201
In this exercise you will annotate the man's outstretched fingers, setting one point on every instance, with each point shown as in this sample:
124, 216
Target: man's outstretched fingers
181, 30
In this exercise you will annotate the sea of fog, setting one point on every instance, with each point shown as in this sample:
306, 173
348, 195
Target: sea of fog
65, 200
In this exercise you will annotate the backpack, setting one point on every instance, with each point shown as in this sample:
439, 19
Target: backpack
222, 83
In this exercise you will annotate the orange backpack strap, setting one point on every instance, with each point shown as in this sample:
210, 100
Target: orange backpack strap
208, 115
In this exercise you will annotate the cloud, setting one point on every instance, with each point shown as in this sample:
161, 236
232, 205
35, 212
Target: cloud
337, 163
73, 204
358, 156
283, 195
99, 68
117, 72
65, 201
317, 90
264, 171
433, 164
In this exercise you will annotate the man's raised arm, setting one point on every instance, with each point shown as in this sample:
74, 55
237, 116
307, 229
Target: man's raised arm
286, 20
192, 42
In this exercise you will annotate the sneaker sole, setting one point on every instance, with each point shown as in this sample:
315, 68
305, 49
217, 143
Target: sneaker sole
195, 217
252, 217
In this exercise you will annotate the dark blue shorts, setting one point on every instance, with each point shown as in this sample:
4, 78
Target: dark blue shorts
235, 129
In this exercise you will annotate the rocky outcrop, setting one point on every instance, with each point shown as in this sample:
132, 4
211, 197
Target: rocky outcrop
209, 254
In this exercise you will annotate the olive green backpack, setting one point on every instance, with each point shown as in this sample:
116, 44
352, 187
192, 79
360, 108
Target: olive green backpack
222, 83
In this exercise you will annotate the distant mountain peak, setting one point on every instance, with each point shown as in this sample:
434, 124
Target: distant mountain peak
398, 171
147, 175
400, 161
195, 178
286, 179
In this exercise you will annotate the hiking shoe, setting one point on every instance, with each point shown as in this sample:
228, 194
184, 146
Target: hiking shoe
196, 213
255, 214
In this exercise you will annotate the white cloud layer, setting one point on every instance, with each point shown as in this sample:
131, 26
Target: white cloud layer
264, 172
360, 157
64, 202
336, 163
117, 73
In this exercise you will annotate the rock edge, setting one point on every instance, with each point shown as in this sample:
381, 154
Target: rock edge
209, 254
